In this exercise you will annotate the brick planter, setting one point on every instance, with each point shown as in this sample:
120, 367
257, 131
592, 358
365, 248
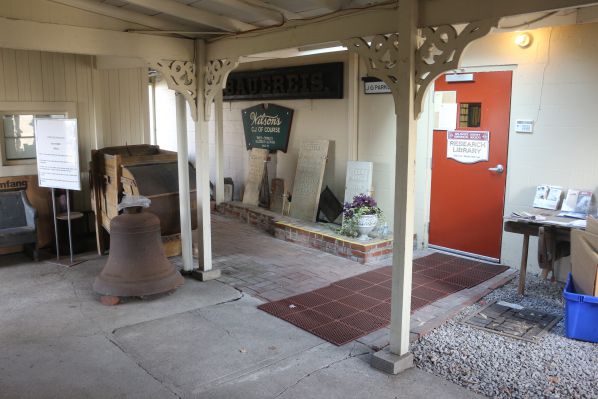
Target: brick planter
309, 235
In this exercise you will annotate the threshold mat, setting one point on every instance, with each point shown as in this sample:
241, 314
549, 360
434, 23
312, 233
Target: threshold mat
354, 307
513, 321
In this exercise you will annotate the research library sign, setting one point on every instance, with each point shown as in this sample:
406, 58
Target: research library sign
317, 81
267, 126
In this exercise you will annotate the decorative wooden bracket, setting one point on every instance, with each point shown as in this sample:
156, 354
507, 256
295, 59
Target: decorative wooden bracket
440, 52
215, 79
180, 77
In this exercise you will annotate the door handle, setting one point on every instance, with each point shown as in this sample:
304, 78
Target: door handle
498, 169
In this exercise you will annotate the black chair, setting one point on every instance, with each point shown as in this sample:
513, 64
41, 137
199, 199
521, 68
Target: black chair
18, 221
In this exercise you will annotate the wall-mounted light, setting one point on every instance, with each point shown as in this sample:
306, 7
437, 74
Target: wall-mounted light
523, 40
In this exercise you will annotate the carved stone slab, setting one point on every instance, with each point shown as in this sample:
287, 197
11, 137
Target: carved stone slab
359, 179
278, 195
257, 166
308, 179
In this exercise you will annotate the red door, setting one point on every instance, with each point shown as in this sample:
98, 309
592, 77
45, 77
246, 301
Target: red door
469, 167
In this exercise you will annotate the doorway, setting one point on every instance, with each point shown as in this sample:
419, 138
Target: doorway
469, 166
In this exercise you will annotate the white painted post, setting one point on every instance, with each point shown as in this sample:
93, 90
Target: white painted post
202, 166
353, 85
397, 357
219, 148
404, 181
184, 191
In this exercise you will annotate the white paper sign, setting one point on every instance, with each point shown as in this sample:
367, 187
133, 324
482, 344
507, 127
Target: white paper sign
57, 153
467, 146
376, 88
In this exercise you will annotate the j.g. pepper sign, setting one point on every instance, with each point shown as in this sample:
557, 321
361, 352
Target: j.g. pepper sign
467, 146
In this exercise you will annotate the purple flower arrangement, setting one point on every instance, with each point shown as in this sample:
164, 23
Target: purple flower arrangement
362, 204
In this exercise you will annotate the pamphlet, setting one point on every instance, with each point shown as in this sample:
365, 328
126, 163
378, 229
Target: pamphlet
577, 204
548, 197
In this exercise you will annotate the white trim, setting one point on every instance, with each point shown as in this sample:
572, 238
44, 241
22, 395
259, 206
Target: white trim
465, 254
41, 36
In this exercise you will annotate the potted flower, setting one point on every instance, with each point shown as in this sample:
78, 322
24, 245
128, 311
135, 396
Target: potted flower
360, 216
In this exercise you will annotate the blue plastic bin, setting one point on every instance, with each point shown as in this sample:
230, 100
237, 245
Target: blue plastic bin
581, 314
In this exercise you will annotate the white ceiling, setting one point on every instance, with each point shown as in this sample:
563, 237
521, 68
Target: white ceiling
209, 18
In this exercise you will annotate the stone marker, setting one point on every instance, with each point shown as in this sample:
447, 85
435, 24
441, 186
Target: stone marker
278, 195
228, 192
257, 165
308, 179
359, 179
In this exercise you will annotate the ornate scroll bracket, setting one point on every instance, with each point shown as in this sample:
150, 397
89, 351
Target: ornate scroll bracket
381, 58
180, 77
440, 51
215, 79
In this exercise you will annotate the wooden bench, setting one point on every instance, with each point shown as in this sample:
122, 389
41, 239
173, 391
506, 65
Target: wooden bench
18, 221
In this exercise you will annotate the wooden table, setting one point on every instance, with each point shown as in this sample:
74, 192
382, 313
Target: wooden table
532, 228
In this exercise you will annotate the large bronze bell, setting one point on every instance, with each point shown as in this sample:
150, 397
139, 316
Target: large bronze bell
136, 265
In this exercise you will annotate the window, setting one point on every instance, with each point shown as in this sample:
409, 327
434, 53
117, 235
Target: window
470, 114
18, 136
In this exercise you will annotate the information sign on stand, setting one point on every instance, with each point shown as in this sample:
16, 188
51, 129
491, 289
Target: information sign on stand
57, 150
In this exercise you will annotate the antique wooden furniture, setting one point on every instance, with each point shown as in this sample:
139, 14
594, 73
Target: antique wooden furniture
18, 221
139, 170
555, 236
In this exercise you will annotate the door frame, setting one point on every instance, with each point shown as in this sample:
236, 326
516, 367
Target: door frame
429, 120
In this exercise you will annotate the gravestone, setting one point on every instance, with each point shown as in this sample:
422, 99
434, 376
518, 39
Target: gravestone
228, 192
359, 179
257, 166
308, 179
278, 195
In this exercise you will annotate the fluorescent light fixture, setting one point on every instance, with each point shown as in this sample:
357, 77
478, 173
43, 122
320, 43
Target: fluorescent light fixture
322, 48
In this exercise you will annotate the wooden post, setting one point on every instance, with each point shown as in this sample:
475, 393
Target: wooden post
523, 268
219, 148
184, 190
397, 358
202, 167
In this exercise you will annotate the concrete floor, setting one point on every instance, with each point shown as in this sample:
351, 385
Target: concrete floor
206, 340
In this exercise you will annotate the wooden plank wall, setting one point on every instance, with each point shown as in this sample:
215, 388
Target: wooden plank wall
34, 76
125, 106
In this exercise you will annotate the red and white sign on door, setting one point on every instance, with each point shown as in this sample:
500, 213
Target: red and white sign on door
467, 147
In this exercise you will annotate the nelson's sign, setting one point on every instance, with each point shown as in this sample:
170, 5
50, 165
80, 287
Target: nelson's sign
300, 82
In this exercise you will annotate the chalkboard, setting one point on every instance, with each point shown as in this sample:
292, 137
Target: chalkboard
267, 126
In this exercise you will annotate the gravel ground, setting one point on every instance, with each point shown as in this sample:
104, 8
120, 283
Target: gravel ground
502, 367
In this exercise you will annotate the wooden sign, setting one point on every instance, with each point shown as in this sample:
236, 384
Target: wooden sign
299, 82
267, 126
308, 179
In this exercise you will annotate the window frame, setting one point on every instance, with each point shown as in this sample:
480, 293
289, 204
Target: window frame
69, 109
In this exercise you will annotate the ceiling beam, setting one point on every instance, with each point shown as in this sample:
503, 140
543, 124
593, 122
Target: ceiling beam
268, 15
41, 36
121, 13
194, 15
373, 21
332, 5
441, 12
287, 14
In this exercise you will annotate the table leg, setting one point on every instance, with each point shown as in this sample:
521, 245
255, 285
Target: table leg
523, 268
